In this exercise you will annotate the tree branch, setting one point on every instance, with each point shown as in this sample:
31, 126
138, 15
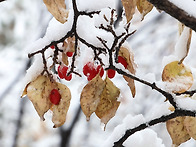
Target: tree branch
161, 119
175, 12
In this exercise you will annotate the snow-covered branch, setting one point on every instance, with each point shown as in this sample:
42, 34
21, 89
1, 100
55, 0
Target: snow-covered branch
182, 11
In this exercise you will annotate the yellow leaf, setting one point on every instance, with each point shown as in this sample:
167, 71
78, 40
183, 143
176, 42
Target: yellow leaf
60, 110
38, 92
144, 7
129, 6
129, 57
177, 131
90, 96
58, 9
190, 125
178, 77
108, 104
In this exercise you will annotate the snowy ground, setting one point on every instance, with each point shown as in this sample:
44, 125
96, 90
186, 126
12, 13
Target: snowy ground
155, 38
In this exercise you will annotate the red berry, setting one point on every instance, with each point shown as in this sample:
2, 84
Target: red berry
111, 73
89, 68
52, 46
69, 54
68, 78
55, 97
122, 61
100, 71
62, 72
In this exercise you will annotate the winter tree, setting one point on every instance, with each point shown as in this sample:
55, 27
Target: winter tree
88, 44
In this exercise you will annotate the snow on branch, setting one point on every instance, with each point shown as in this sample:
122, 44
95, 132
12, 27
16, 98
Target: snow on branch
179, 10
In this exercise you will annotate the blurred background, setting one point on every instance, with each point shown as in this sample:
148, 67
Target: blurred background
24, 21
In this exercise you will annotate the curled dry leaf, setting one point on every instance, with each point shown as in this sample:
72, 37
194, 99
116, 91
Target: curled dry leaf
144, 7
190, 125
38, 92
90, 96
58, 9
108, 104
129, 57
69, 44
184, 40
178, 77
177, 131
129, 6
60, 110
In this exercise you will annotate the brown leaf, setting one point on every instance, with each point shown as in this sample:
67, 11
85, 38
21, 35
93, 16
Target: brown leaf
69, 44
129, 6
60, 110
90, 96
129, 57
65, 59
38, 92
190, 125
144, 7
58, 9
108, 104
177, 131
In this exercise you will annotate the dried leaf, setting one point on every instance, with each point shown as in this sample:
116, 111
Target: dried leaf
190, 125
69, 44
108, 104
58, 9
60, 110
129, 6
178, 77
38, 92
177, 131
184, 41
144, 7
90, 96
65, 59
129, 57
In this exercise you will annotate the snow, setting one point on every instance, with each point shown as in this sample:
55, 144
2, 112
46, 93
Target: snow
150, 45
147, 138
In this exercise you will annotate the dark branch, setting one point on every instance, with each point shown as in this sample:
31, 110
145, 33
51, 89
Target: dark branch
155, 121
175, 12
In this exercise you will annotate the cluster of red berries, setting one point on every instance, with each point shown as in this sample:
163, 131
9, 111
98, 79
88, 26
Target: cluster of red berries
62, 72
55, 97
90, 70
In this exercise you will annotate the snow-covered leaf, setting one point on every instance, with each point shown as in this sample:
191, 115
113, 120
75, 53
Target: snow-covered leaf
90, 96
108, 104
129, 57
58, 9
183, 45
178, 77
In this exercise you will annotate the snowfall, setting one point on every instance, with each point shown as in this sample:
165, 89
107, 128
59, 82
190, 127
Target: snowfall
155, 43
